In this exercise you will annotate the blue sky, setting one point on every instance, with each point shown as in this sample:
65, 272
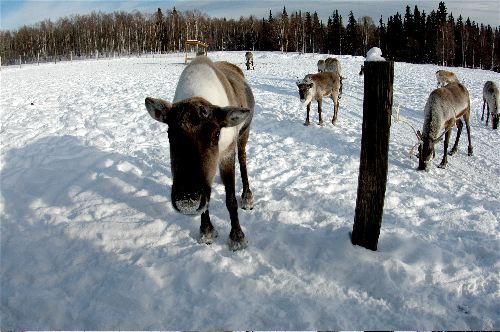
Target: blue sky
15, 13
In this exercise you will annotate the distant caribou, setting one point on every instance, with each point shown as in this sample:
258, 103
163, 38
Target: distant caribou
249, 60
491, 99
444, 77
321, 66
332, 65
444, 108
317, 86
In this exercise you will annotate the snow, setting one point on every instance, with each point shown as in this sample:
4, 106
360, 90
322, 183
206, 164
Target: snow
374, 54
89, 239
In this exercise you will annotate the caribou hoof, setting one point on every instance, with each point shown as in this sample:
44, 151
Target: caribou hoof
452, 152
320, 123
306, 123
237, 240
470, 152
333, 122
247, 200
443, 165
209, 237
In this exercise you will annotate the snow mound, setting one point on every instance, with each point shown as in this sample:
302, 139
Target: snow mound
374, 54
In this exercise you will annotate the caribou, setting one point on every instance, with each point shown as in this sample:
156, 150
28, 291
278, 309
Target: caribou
332, 65
444, 77
321, 66
317, 86
444, 108
249, 60
208, 119
491, 99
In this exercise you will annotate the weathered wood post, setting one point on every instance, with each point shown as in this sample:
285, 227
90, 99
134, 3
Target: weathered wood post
372, 180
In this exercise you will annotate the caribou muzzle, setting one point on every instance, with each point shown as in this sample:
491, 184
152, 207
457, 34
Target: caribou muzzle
189, 203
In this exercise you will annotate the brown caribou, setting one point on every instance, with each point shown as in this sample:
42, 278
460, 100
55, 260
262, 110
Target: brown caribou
208, 120
317, 86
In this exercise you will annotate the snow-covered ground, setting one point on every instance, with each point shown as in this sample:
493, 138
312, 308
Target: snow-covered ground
89, 239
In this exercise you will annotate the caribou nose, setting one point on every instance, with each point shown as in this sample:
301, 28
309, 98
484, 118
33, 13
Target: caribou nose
189, 204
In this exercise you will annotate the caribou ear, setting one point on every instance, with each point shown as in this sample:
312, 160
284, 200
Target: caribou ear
230, 116
158, 108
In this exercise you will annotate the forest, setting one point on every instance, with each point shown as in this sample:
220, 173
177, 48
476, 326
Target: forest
415, 36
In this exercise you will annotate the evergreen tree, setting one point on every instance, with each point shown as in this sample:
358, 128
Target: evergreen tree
396, 44
459, 42
307, 33
431, 36
316, 34
382, 36
337, 33
409, 29
351, 46
284, 31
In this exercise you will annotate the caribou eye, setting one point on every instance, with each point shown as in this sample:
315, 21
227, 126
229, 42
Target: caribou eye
215, 136
203, 111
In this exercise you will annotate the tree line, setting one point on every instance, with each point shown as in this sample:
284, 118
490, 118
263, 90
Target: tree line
417, 37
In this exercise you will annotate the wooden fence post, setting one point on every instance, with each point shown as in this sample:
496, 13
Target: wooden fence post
372, 180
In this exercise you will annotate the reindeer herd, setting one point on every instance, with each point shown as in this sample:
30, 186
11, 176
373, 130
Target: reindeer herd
209, 120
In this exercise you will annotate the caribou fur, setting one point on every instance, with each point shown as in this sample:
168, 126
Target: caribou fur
209, 118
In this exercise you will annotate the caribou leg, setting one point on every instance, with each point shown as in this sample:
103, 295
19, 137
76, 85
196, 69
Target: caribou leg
484, 104
208, 234
487, 113
460, 125
236, 236
246, 196
308, 107
335, 110
467, 126
320, 104
444, 162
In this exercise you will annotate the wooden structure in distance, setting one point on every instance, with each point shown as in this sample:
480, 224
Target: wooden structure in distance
197, 46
